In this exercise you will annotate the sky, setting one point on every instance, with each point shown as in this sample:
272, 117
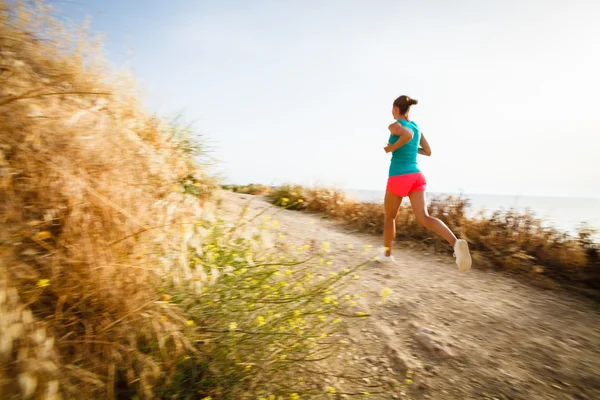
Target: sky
301, 91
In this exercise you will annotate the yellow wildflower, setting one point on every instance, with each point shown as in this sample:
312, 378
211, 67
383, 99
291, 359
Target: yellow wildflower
367, 247
232, 326
349, 246
300, 379
283, 356
321, 318
360, 314
189, 322
248, 367
43, 235
300, 201
294, 396
385, 294
408, 381
43, 283
330, 389
288, 271
163, 318
337, 320
260, 320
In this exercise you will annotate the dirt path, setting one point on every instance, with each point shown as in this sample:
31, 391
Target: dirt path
480, 335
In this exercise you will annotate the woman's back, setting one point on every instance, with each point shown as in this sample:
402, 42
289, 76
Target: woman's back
404, 160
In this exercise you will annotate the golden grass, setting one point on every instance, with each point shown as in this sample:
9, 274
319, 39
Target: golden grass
117, 281
86, 178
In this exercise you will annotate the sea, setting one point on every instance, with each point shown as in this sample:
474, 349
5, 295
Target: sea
567, 214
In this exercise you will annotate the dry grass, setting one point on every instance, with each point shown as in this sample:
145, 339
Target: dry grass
116, 279
514, 241
86, 178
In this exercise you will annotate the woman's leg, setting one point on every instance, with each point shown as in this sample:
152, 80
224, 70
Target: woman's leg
419, 206
392, 205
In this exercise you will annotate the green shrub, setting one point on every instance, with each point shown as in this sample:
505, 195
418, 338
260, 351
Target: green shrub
253, 189
266, 316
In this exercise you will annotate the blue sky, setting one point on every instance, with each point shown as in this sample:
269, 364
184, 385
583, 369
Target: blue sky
301, 91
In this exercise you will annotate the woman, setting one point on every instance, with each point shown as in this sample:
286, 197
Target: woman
406, 179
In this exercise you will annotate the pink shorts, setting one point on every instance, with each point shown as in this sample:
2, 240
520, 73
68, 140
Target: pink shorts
402, 185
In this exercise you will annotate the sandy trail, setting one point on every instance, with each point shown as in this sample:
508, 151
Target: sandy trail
481, 335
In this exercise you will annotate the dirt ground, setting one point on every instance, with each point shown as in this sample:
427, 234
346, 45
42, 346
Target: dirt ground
480, 335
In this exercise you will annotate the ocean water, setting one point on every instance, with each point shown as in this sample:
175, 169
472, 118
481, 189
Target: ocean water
566, 214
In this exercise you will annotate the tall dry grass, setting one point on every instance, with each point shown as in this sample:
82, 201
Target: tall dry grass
86, 178
514, 241
117, 280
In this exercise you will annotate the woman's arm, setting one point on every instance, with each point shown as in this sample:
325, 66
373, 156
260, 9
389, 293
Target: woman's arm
404, 136
424, 148
396, 129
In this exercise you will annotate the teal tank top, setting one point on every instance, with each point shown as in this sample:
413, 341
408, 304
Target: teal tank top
404, 160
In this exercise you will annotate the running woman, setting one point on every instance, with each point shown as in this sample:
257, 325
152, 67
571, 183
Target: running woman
406, 179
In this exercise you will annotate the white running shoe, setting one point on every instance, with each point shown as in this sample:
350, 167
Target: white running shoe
463, 257
382, 258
